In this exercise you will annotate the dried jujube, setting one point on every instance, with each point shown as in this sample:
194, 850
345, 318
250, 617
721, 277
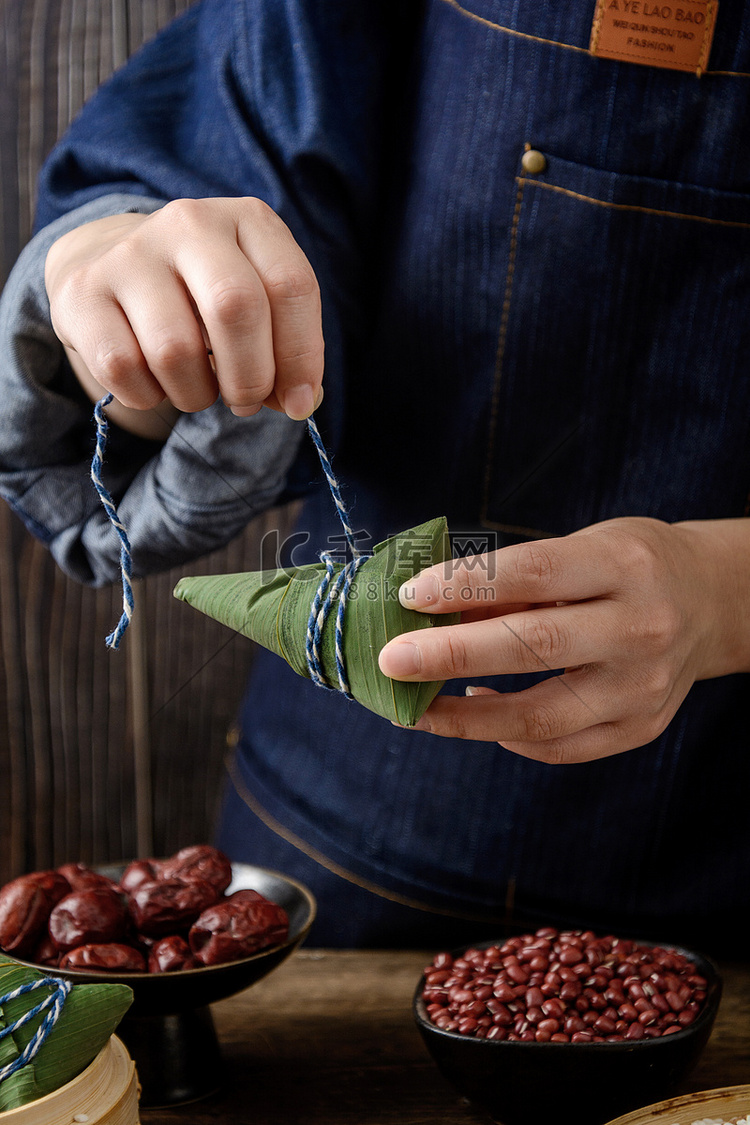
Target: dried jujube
137, 872
46, 952
165, 906
169, 955
81, 877
111, 957
236, 927
200, 861
25, 906
75, 918
82, 917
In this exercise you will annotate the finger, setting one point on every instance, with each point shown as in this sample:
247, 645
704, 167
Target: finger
540, 718
112, 356
532, 641
601, 741
234, 308
171, 340
547, 570
294, 300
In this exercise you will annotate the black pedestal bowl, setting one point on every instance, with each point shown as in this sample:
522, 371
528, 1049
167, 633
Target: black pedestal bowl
169, 1030
536, 1083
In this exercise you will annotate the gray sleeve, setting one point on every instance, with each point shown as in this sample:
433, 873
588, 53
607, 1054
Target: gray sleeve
177, 501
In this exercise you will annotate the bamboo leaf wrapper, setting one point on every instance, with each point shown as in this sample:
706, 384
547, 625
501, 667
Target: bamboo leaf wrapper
272, 607
89, 1017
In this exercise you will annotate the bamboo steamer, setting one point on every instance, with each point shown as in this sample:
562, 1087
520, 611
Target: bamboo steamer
105, 1093
725, 1104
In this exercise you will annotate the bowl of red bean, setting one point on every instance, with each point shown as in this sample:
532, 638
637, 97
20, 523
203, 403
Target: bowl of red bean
181, 932
566, 1026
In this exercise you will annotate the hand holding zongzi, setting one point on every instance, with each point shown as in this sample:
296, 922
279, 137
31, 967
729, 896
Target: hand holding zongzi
634, 611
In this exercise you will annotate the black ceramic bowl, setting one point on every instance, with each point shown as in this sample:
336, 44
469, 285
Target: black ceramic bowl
168, 1029
521, 1083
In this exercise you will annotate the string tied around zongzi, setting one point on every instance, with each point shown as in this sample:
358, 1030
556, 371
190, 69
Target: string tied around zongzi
52, 1005
325, 596
97, 461
330, 590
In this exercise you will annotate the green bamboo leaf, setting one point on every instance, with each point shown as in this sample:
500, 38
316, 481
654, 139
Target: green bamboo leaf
273, 607
19, 1088
89, 1017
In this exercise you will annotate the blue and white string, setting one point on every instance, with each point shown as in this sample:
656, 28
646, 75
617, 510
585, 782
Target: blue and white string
97, 461
329, 589
52, 1004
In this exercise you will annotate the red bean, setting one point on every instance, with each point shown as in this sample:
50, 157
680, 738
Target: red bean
569, 990
564, 987
503, 1018
438, 977
504, 992
570, 956
534, 998
553, 1007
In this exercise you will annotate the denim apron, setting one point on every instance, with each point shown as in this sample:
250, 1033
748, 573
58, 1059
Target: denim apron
552, 348
526, 345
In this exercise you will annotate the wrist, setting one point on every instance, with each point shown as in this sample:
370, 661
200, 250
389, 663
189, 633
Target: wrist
721, 552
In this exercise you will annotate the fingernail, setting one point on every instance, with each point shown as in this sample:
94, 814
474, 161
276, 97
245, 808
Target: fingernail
472, 691
419, 592
400, 660
299, 402
246, 411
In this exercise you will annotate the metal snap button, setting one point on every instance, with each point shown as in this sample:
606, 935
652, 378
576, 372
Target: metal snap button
533, 161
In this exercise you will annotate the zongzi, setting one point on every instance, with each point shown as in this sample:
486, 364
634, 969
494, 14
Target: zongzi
272, 607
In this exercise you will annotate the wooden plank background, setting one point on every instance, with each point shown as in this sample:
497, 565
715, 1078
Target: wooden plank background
103, 755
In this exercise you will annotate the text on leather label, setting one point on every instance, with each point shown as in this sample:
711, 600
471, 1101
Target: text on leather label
676, 36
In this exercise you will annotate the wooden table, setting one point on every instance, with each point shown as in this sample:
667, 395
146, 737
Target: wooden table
328, 1039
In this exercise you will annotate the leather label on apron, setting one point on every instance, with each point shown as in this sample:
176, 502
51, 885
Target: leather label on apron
674, 35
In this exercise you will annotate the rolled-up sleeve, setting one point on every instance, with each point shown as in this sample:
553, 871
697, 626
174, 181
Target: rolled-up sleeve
178, 500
